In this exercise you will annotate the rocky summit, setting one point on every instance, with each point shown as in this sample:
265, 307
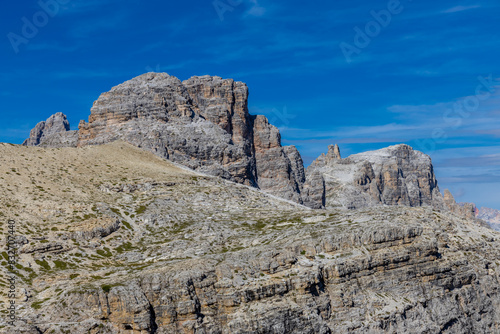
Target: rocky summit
397, 175
173, 210
54, 132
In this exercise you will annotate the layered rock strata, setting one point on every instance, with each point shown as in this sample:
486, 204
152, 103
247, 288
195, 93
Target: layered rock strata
117, 241
468, 210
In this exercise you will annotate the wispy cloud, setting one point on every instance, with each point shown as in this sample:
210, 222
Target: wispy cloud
494, 132
390, 132
473, 161
52, 46
483, 178
324, 142
468, 116
457, 9
80, 7
15, 134
255, 9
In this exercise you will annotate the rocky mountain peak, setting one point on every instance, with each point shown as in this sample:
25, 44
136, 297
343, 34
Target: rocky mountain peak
124, 242
57, 123
333, 153
449, 200
54, 130
395, 175
468, 210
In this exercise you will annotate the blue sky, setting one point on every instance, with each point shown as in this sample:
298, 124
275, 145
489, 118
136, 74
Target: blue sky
426, 73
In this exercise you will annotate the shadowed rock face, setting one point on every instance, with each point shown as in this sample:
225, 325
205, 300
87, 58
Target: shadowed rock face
396, 175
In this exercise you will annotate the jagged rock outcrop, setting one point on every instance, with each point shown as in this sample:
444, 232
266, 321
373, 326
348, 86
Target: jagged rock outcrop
310, 295
157, 113
333, 153
468, 210
54, 132
202, 123
313, 191
397, 175
280, 171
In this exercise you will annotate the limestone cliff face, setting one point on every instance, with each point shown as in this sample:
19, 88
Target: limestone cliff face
202, 123
157, 113
280, 170
396, 175
402, 286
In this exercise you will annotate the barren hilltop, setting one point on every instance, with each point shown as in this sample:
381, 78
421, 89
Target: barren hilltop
173, 210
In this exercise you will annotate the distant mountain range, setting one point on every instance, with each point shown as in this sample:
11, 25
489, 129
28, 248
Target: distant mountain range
491, 216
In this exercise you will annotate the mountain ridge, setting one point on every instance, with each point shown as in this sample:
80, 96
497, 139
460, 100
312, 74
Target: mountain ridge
204, 123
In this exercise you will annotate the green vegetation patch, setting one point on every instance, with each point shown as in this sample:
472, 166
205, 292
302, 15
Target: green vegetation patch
44, 264
107, 287
60, 265
125, 247
140, 210
106, 252
38, 305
